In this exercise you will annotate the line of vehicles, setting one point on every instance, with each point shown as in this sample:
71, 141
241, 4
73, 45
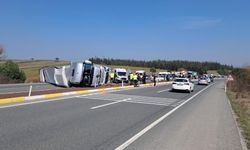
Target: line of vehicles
85, 73
186, 84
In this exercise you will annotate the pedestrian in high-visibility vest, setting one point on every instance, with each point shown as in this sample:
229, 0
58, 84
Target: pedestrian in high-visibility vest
131, 78
135, 79
112, 77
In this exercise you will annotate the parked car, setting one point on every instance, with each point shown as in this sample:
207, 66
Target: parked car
183, 84
202, 81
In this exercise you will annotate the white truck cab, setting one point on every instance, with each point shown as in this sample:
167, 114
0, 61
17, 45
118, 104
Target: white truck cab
121, 75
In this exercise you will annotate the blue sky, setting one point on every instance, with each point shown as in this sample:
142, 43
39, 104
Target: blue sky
203, 30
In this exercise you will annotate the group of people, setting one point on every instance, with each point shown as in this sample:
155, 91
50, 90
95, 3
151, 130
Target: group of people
134, 78
137, 79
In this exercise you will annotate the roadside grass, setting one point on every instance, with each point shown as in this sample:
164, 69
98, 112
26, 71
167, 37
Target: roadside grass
32, 74
241, 107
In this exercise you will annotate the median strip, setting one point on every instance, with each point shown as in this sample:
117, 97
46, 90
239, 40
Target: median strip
74, 93
12, 100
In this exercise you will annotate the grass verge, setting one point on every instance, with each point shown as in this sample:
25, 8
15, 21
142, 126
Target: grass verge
242, 110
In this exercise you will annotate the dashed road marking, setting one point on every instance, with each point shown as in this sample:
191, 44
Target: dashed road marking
163, 90
133, 99
108, 104
149, 127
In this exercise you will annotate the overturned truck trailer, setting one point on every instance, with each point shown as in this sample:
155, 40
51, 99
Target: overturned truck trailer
55, 75
77, 74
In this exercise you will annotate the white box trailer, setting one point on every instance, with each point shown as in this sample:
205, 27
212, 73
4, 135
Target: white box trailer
55, 75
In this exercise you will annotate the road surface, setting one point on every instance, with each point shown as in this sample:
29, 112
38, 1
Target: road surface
142, 118
20, 88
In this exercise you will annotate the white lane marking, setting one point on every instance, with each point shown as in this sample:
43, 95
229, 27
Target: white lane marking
142, 132
163, 90
111, 103
134, 99
82, 96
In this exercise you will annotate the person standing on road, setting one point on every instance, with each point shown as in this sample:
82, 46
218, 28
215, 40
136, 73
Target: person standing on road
115, 78
135, 80
144, 78
131, 78
138, 78
154, 79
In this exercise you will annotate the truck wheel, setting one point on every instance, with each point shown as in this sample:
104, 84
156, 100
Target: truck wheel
69, 84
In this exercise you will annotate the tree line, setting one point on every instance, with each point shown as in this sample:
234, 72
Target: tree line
200, 67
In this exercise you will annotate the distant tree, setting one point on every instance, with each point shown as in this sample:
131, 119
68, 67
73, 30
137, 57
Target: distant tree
32, 59
57, 59
152, 70
223, 71
11, 72
200, 67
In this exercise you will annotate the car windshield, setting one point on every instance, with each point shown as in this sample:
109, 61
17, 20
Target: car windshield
181, 80
121, 73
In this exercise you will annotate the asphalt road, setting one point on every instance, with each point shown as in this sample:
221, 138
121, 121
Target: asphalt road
19, 88
109, 120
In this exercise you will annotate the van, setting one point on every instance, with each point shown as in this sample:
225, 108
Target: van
121, 75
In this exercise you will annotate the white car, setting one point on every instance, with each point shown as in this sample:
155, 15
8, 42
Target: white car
208, 79
203, 81
183, 84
